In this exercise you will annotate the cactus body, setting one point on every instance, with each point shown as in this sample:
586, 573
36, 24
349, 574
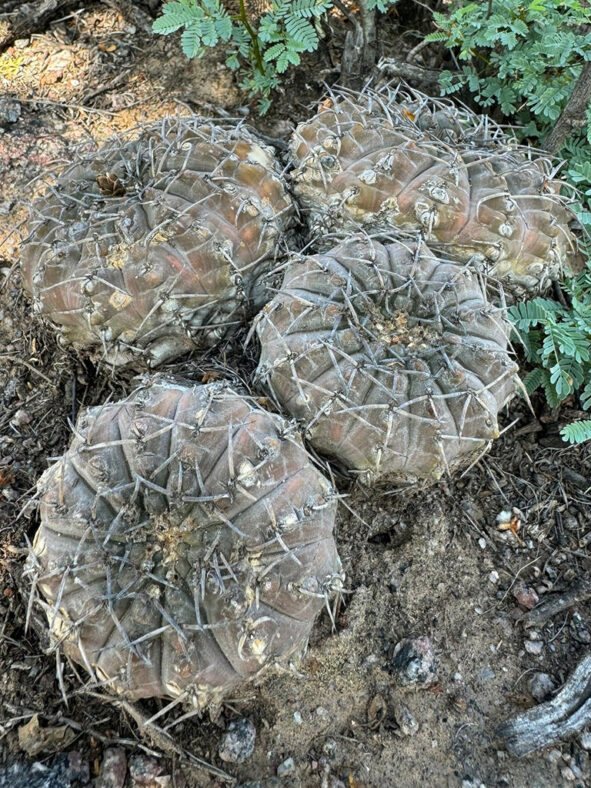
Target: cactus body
390, 356
155, 245
185, 543
402, 163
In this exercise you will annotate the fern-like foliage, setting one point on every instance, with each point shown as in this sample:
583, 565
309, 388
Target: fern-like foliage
263, 49
517, 52
557, 339
524, 56
577, 432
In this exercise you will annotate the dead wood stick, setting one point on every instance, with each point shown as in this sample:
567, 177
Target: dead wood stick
574, 113
567, 713
424, 78
361, 47
555, 603
29, 18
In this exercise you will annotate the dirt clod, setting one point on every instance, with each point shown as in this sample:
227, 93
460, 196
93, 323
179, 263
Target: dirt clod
541, 686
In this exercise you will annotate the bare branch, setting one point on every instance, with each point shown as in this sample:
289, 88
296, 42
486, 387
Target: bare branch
573, 115
567, 713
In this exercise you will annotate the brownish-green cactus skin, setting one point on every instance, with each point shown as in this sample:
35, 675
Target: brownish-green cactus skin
390, 356
157, 244
400, 162
186, 542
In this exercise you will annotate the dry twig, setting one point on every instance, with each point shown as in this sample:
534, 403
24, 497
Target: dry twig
567, 713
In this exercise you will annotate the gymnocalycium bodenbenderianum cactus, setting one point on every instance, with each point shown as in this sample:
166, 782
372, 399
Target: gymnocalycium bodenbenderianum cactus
396, 160
390, 357
159, 241
186, 542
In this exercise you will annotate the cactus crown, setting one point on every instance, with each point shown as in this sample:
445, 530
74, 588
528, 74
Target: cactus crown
185, 542
391, 357
157, 243
398, 161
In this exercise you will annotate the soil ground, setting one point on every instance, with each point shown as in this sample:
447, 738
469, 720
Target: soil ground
431, 564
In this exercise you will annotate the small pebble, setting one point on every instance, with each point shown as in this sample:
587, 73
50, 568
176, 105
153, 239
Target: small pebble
494, 576
534, 647
554, 756
413, 662
237, 743
578, 629
486, 674
482, 543
286, 768
541, 686
525, 595
297, 718
10, 110
77, 766
552, 573
20, 418
407, 724
147, 771
568, 774
113, 769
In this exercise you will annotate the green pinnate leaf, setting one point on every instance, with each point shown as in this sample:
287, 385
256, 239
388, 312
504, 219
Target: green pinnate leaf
274, 51
283, 62
174, 15
223, 26
191, 40
534, 380
577, 432
302, 31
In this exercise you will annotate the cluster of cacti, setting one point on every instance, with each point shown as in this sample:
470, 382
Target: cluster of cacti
401, 161
390, 356
157, 244
186, 539
185, 542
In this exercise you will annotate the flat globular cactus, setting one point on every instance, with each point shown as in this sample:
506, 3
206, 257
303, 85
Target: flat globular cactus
401, 162
390, 356
157, 244
186, 542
